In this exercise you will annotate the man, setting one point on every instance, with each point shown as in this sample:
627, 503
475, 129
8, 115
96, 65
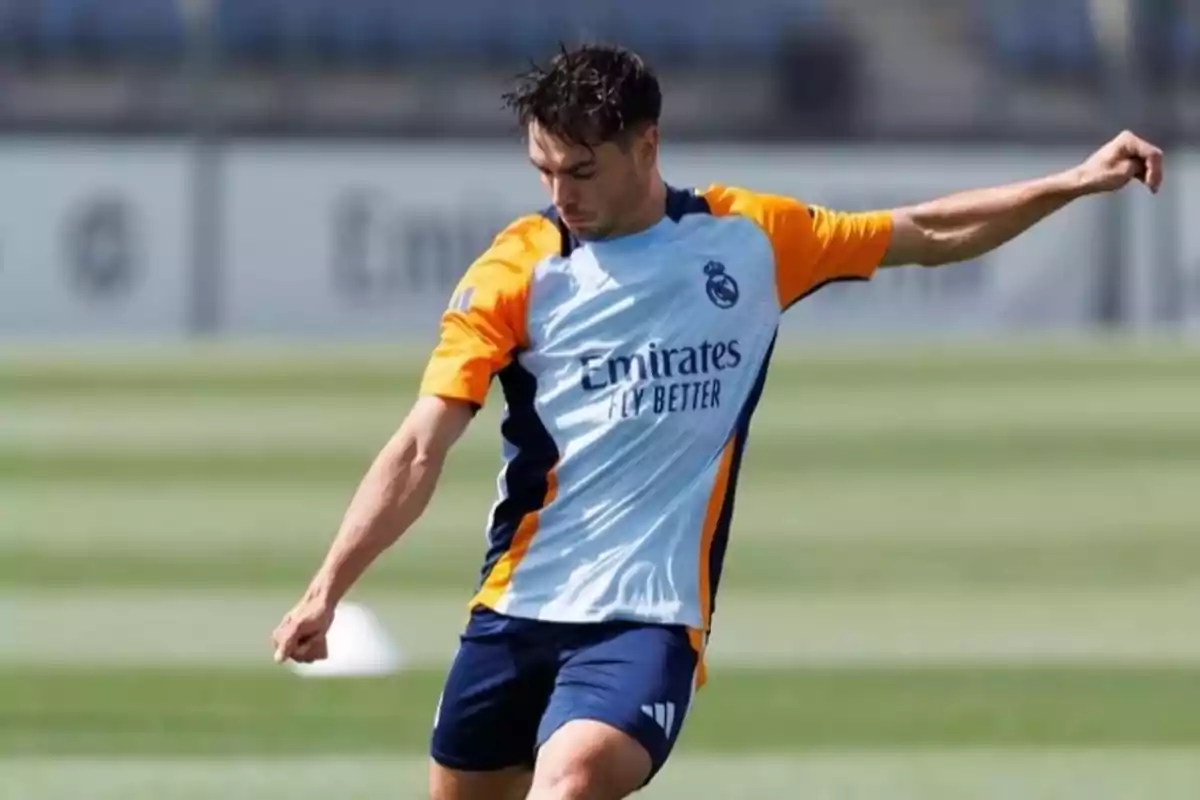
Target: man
630, 325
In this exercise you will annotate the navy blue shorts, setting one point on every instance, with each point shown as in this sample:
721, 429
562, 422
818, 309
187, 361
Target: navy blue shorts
514, 682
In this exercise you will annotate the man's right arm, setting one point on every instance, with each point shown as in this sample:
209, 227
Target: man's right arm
481, 331
392, 495
390, 498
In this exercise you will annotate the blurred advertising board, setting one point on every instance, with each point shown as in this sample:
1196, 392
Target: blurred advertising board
359, 241
94, 240
339, 240
346, 240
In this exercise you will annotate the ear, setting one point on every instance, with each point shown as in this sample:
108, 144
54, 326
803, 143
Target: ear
647, 145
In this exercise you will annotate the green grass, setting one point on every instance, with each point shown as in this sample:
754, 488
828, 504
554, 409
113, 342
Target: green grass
1160, 555
236, 713
815, 453
1030, 774
947, 551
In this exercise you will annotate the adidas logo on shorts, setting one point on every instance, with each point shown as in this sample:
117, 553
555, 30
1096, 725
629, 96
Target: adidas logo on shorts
663, 715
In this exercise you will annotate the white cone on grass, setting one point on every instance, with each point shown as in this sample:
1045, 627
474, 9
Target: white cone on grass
359, 646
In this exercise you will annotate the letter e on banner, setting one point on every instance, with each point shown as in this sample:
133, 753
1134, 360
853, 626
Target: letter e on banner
100, 249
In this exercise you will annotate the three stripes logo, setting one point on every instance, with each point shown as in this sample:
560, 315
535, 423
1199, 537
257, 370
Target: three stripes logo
461, 301
663, 715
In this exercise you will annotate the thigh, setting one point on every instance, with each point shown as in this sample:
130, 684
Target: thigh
636, 681
511, 783
585, 759
495, 693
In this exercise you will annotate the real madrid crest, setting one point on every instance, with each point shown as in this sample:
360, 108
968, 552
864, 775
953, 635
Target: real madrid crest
721, 288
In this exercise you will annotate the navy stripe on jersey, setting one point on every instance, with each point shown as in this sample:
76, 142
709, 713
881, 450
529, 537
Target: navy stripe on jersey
569, 240
680, 203
716, 554
527, 475
818, 287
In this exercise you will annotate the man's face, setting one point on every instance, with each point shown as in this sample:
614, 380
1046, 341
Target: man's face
594, 189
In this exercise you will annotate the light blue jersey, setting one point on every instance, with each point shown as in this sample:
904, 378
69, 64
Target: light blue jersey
631, 368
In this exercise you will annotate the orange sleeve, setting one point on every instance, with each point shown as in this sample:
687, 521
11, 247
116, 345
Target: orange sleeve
812, 244
485, 322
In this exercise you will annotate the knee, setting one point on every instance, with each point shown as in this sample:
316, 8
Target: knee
572, 781
580, 779
586, 760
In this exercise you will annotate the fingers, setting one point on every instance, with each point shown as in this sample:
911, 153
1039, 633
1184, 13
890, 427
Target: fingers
287, 636
309, 650
1147, 159
299, 638
1154, 168
302, 649
284, 638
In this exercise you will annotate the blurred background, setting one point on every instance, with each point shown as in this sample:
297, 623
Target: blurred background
965, 561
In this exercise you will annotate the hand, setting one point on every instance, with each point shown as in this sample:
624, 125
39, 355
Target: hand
301, 635
1125, 158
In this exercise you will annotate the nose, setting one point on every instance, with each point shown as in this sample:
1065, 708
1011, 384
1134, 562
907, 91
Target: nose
563, 192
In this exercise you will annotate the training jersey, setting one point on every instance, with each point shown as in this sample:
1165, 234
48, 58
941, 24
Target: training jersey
630, 369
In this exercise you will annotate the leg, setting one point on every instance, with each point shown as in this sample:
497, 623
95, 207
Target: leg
511, 783
619, 702
485, 728
590, 760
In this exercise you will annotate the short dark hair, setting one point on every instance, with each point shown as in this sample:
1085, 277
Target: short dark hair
588, 94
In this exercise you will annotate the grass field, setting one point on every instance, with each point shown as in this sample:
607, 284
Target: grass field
969, 572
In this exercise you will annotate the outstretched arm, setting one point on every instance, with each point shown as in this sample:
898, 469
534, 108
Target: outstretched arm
966, 225
390, 498
481, 330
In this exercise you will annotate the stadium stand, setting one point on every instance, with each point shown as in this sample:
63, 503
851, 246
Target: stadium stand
88, 31
1168, 36
1040, 39
838, 66
483, 32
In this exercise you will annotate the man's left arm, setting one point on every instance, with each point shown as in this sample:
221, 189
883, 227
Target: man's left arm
963, 226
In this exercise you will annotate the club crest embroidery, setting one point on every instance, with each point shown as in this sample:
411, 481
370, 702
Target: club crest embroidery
721, 288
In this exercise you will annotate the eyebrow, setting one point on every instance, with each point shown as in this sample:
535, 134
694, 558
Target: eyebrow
570, 168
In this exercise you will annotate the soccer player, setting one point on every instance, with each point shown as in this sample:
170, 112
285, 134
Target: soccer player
630, 325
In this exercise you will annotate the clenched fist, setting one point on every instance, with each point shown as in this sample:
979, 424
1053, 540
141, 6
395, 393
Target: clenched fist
300, 636
1127, 157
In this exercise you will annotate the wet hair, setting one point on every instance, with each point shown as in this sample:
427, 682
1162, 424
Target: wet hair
588, 95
